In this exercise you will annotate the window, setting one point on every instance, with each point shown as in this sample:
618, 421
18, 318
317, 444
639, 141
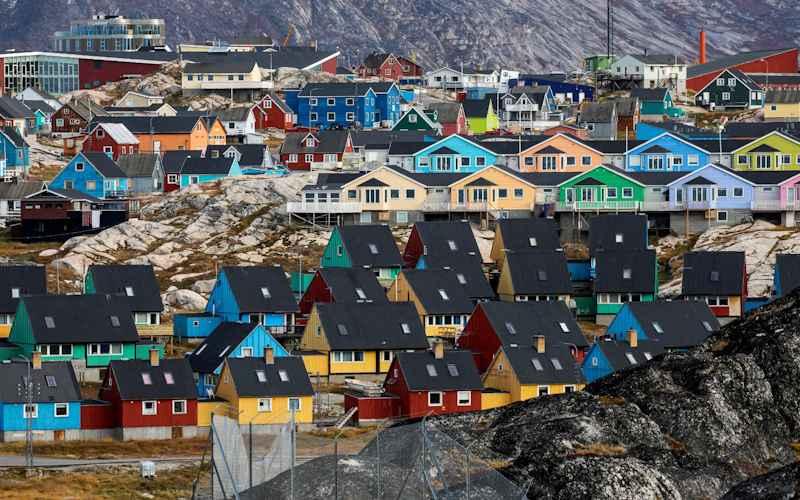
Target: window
720, 82
722, 192
726, 96
179, 407
431, 370
30, 411
556, 363
79, 167
348, 356
312, 101
264, 405
466, 161
294, 404
373, 249
586, 161
313, 117
569, 389
742, 159
265, 292
627, 192
331, 116
731, 82
564, 327
443, 294
707, 326
480, 161
544, 390
738, 192
91, 185
611, 192
464, 398
410, 193
115, 321
331, 101
173, 178
626, 273
510, 328
350, 116
283, 375
541, 274
722, 216
693, 160
61, 410
386, 356
50, 380
149, 408
434, 398
146, 379
786, 159
309, 158
631, 358
394, 194
657, 327
350, 101
15, 293
502, 193
537, 364
518, 193
764, 161
594, 361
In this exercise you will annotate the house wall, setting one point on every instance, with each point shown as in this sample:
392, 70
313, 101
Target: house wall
608, 178
780, 112
89, 181
15, 157
217, 136
97, 415
480, 339
721, 179
679, 151
364, 108
13, 417
71, 122
332, 257
93, 73
531, 160
280, 414
396, 184
784, 145
269, 115
462, 194
424, 162
93, 142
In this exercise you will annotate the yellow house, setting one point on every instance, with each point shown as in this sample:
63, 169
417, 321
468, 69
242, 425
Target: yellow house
439, 297
226, 77
525, 371
385, 190
493, 188
538, 276
522, 235
782, 105
266, 390
344, 340
216, 133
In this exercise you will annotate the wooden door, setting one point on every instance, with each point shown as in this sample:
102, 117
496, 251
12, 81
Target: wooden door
177, 432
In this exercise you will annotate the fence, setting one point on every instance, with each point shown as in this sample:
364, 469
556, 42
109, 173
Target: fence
403, 461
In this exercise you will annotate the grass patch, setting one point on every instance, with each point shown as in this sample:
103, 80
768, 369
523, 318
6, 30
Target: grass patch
599, 450
498, 463
108, 449
611, 400
347, 432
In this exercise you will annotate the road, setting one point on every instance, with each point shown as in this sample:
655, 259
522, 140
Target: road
14, 461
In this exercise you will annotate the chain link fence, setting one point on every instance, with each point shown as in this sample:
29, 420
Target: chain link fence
403, 461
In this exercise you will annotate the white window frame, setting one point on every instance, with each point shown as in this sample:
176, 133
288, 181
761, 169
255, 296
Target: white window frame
56, 407
185, 407
30, 415
289, 404
146, 412
264, 405
467, 401
441, 398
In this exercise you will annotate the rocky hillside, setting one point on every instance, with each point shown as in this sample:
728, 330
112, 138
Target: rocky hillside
688, 425
530, 34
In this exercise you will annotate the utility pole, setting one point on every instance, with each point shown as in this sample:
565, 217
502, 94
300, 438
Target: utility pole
294, 457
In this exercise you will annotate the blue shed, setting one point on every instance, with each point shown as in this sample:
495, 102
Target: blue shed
666, 153
203, 170
676, 325
94, 174
229, 340
14, 150
453, 153
194, 325
608, 356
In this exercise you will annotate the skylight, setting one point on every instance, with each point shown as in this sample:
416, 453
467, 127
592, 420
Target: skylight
626, 273
510, 328
648, 356
224, 351
115, 321
265, 292
146, 380
373, 249
443, 294
15, 293
532, 241
542, 274
360, 293
657, 327
202, 348
168, 378
129, 291
461, 279
630, 357
283, 375
714, 275
564, 327
49, 322
707, 326
51, 380
342, 329
556, 363
452, 245
537, 364
431, 370
619, 238
406, 328
262, 377
453, 369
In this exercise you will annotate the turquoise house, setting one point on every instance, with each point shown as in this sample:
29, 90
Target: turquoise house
14, 150
55, 412
608, 356
656, 103
666, 153
94, 174
453, 153
365, 246
203, 170
229, 340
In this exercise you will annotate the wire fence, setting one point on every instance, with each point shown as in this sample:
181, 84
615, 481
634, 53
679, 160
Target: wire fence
403, 461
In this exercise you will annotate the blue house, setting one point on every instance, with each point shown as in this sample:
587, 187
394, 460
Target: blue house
94, 174
387, 102
453, 153
666, 153
563, 91
194, 325
55, 412
229, 340
14, 150
336, 105
676, 325
711, 186
203, 170
787, 274
608, 356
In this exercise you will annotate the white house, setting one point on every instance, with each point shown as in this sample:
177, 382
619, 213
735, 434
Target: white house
653, 70
34, 94
138, 100
452, 79
238, 121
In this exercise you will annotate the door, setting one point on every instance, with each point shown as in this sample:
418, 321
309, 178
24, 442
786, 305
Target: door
570, 195
461, 199
479, 195
706, 97
177, 432
790, 196
58, 435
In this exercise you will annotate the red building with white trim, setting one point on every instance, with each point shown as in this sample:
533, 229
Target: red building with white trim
762, 61
389, 67
111, 138
272, 112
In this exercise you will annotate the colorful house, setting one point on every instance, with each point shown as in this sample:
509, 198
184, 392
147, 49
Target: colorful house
17, 282
333, 105
774, 151
618, 232
494, 189
366, 247
54, 413
343, 285
451, 116
228, 340
603, 188
731, 89
137, 285
439, 239
787, 274
173, 163
534, 276
439, 297
346, 340
152, 399
387, 66
560, 153
94, 174
782, 105
497, 324
267, 392
74, 116
666, 152
387, 103
272, 112
453, 153
145, 172
418, 119
622, 277
113, 139
608, 356
674, 325
315, 150
481, 116
205, 170
157, 134
14, 152
655, 103
522, 235
717, 278
253, 159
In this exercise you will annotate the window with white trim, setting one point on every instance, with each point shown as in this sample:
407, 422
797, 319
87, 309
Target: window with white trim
61, 410
464, 398
179, 407
294, 404
264, 405
149, 408
435, 398
30, 411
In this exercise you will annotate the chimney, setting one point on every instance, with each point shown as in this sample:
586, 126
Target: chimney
702, 47
36, 360
633, 338
438, 349
154, 357
538, 342
269, 356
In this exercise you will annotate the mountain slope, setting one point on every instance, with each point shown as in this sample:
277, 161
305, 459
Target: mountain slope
530, 34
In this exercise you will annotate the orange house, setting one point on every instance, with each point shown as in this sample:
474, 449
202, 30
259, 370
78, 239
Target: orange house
173, 133
560, 153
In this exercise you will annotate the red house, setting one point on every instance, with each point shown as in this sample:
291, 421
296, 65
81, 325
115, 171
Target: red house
272, 112
717, 278
74, 116
451, 116
762, 61
172, 161
389, 67
154, 399
423, 383
342, 284
324, 149
113, 139
496, 324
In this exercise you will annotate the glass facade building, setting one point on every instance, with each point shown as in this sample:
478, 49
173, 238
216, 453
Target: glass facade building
53, 74
110, 34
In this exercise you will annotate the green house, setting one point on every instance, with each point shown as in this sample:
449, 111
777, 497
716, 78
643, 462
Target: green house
774, 151
370, 246
598, 63
91, 329
603, 188
622, 277
418, 119
481, 116
655, 103
731, 89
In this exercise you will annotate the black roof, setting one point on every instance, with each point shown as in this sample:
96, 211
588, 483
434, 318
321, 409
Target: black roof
232, 65
327, 181
12, 108
733, 60
344, 282
139, 164
248, 284
37, 105
446, 238
329, 141
373, 182
764, 148
431, 180
370, 246
538, 272
714, 273
372, 326
181, 124
251, 154
173, 160
30, 280
528, 234
80, 319
544, 179
224, 339
752, 130
766, 177
63, 386
617, 232
787, 269
553, 366
676, 324
509, 147
439, 291
336, 89
171, 379
613, 146
137, 284
104, 164
469, 272
12, 133
519, 322
626, 271
244, 372
362, 138
476, 108
207, 165
645, 94
407, 147
649, 178
700, 181
456, 371
656, 149
616, 352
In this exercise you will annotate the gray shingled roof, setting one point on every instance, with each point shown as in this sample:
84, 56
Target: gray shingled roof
104, 164
120, 279
30, 280
439, 291
713, 273
245, 377
553, 366
625, 271
138, 165
63, 386
678, 324
372, 326
538, 273
247, 283
80, 319
171, 379
456, 371
358, 241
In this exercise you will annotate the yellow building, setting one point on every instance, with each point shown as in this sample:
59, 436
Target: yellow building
526, 372
385, 190
538, 275
266, 390
234, 77
493, 188
782, 105
523, 235
344, 340
439, 297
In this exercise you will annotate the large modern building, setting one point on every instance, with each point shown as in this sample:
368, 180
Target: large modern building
111, 33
